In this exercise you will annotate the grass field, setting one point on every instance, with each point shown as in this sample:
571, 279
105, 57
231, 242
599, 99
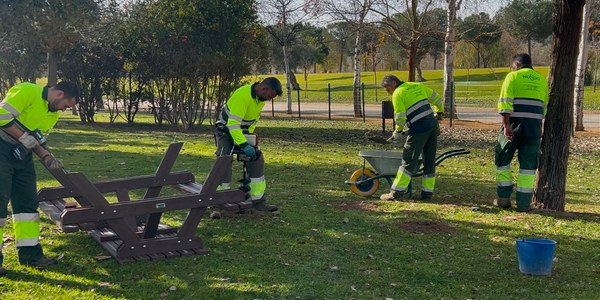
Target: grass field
326, 243
474, 87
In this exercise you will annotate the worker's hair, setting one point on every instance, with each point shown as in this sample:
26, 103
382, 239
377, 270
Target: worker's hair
388, 79
274, 84
523, 59
70, 89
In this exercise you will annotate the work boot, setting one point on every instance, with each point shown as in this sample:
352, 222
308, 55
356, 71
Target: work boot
2, 272
523, 209
394, 196
426, 195
42, 262
502, 202
260, 205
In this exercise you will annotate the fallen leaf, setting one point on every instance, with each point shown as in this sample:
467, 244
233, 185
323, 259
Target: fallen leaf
102, 257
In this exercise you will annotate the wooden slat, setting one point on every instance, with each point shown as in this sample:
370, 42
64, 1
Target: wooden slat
191, 187
163, 169
213, 179
160, 245
133, 183
95, 198
162, 230
116, 211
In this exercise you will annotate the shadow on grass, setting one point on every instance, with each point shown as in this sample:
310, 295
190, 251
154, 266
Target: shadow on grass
309, 250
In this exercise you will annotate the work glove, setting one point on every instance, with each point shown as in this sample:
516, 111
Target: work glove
397, 135
52, 162
28, 141
439, 116
249, 151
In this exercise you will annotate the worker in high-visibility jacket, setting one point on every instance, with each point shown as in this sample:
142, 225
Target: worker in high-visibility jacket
236, 124
522, 104
25, 109
414, 105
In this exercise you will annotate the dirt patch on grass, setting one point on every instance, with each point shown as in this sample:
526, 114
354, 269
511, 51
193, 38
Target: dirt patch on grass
360, 206
426, 227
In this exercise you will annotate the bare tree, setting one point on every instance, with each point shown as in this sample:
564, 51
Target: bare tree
551, 182
582, 60
283, 19
354, 13
450, 40
408, 25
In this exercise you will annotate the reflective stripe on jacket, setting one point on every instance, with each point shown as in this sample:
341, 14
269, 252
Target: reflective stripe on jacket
241, 113
524, 96
25, 103
412, 103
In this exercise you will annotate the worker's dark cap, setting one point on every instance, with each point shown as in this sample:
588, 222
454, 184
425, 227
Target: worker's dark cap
274, 84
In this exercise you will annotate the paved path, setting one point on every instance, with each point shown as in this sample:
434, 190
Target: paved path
591, 119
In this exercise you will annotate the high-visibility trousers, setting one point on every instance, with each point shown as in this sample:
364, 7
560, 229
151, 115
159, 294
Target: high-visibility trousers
416, 144
18, 185
255, 168
528, 153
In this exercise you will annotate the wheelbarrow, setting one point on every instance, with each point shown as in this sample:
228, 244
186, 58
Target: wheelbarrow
365, 181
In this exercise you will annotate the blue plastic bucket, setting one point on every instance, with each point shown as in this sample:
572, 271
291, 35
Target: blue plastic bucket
535, 256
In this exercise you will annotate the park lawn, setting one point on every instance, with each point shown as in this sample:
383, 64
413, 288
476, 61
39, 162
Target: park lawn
326, 243
473, 87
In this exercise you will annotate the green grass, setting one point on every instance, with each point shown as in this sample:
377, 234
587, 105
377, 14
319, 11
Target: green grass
326, 243
474, 87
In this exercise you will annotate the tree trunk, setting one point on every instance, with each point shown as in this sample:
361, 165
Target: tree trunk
552, 175
294, 82
341, 57
356, 83
453, 7
582, 60
305, 81
478, 55
419, 71
412, 52
51, 60
529, 45
288, 81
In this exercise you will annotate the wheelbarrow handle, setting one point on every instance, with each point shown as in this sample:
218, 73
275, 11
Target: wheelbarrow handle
444, 156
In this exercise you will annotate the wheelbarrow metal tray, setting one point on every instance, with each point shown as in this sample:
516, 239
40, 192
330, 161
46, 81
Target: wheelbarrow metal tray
384, 162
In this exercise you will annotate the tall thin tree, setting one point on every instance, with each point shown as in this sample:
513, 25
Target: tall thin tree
582, 60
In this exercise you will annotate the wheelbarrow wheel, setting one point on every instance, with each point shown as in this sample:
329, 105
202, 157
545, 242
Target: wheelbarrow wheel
367, 188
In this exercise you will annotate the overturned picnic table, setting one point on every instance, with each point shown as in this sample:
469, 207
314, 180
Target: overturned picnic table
130, 230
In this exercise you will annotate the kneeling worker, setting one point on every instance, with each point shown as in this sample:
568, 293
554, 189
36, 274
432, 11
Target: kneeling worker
238, 119
413, 107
